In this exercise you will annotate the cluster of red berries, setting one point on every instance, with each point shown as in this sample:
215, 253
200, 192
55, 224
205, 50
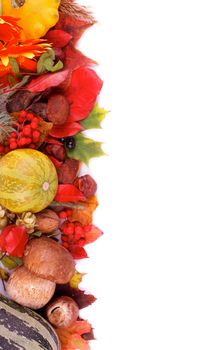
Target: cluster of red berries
64, 214
27, 134
73, 234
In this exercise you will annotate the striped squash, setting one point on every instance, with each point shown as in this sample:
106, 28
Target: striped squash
23, 329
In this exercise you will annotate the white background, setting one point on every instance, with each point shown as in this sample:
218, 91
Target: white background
158, 270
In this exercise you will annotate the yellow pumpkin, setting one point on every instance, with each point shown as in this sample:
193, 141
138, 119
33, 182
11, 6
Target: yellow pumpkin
28, 181
36, 16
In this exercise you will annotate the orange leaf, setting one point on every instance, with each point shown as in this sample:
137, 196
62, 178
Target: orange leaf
71, 339
84, 212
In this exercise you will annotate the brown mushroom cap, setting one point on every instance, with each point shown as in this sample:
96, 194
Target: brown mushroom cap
49, 259
29, 290
62, 312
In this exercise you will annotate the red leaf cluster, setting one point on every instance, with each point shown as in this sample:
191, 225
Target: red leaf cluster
77, 82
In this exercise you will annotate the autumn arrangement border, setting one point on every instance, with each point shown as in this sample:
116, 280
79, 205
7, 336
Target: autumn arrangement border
48, 98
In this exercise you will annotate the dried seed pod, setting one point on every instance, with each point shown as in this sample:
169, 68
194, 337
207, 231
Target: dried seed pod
62, 312
47, 221
27, 219
58, 109
67, 173
39, 108
56, 151
87, 185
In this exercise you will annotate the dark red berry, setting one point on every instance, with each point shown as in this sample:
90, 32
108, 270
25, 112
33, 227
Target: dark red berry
27, 130
36, 120
36, 135
62, 215
13, 145
34, 125
22, 114
30, 116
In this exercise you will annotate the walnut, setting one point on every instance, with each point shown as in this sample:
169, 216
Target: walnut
47, 221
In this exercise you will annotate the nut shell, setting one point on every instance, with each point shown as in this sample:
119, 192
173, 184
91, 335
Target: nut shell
29, 290
47, 221
49, 259
62, 312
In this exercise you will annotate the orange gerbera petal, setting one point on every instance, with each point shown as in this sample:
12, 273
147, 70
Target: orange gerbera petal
11, 46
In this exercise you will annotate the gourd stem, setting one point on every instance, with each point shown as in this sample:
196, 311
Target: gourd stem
0, 7
17, 3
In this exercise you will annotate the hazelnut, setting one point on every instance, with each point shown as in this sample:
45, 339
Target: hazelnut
62, 312
47, 221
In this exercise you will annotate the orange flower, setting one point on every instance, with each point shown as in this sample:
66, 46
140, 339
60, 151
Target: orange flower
11, 47
9, 29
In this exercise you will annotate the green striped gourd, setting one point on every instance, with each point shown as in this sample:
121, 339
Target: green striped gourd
28, 181
23, 329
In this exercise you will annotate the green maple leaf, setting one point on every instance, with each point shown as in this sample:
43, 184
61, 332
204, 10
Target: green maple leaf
46, 63
85, 149
93, 121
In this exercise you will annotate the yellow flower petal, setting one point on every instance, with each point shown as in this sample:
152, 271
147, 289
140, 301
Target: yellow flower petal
5, 60
28, 55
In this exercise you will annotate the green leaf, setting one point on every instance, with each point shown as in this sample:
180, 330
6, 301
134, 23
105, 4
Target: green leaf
85, 149
11, 262
36, 234
46, 63
93, 121
66, 205
14, 65
56, 67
